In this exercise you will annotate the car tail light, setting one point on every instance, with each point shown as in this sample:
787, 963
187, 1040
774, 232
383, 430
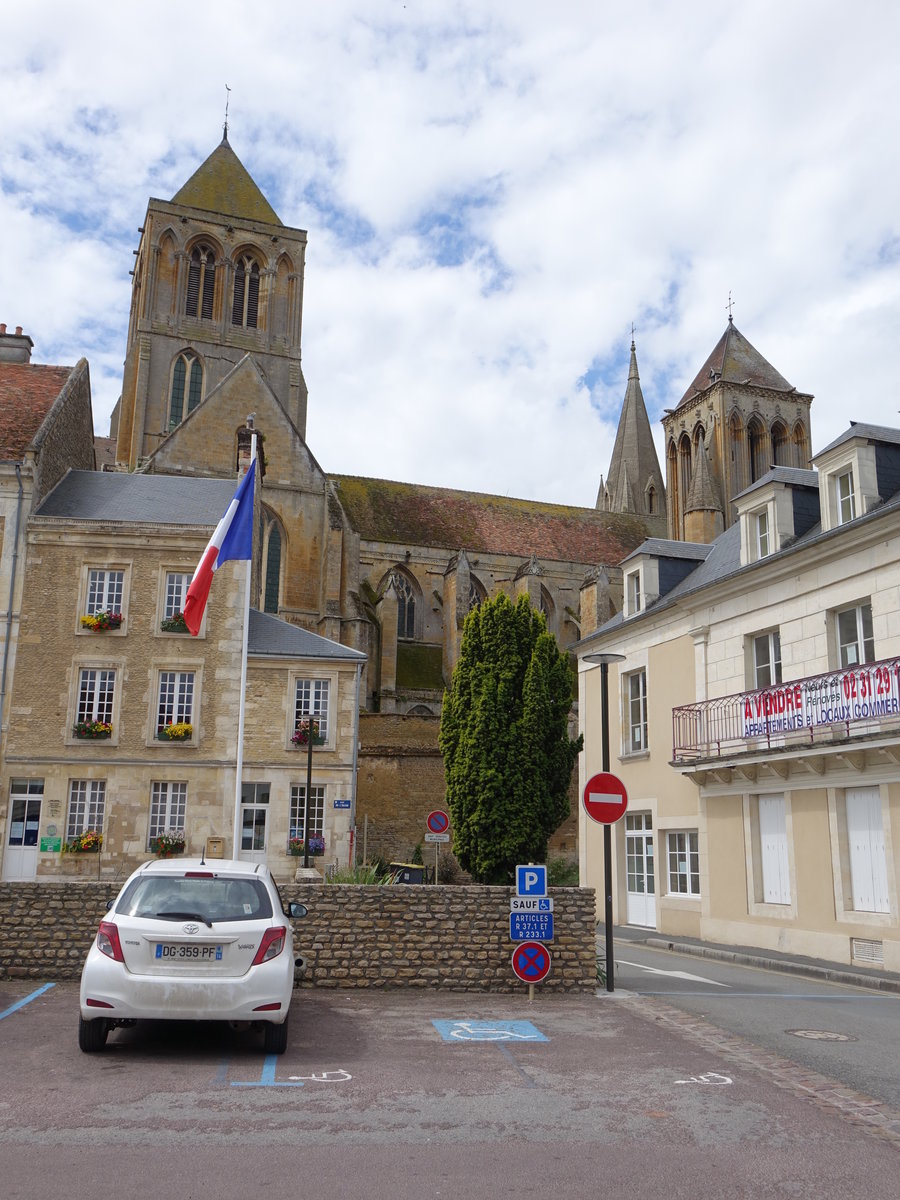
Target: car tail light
108, 941
268, 1007
97, 1003
271, 945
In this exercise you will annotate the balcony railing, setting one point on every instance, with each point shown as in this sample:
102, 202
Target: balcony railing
820, 708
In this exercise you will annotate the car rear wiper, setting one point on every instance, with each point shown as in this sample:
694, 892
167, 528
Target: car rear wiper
184, 916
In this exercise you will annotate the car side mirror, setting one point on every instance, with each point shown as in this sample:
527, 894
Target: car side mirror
110, 902
295, 909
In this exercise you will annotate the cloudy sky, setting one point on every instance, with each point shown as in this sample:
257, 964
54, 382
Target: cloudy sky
494, 192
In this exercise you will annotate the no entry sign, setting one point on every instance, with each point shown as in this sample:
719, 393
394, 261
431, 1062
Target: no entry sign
605, 798
531, 962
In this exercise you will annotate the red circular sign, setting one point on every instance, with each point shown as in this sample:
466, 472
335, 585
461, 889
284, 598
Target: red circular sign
605, 798
531, 961
437, 821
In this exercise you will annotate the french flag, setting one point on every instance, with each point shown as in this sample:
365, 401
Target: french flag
233, 539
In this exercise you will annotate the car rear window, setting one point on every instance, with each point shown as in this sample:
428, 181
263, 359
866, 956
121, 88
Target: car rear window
212, 898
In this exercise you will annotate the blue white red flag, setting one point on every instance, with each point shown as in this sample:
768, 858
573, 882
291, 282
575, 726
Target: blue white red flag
233, 539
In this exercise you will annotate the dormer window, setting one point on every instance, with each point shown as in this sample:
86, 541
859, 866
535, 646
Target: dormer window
632, 593
846, 504
761, 527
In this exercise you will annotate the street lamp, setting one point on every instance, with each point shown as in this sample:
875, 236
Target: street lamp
604, 660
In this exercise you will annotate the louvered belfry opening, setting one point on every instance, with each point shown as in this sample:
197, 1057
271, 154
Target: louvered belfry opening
201, 282
246, 292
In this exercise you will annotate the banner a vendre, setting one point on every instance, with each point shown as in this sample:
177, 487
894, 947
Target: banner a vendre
860, 694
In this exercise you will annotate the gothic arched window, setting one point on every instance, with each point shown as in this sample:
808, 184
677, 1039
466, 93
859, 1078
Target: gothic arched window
756, 438
245, 307
406, 606
271, 540
201, 282
187, 387
781, 446
801, 449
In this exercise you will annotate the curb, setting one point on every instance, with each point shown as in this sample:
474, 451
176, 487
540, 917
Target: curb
888, 983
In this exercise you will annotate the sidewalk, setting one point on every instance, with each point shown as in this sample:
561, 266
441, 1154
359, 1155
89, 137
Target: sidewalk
794, 964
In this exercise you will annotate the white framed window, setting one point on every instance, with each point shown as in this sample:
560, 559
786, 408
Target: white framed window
105, 590
844, 497
774, 861
633, 593
766, 656
96, 694
316, 811
168, 806
855, 639
311, 700
87, 804
866, 844
175, 705
683, 861
177, 584
636, 711
761, 530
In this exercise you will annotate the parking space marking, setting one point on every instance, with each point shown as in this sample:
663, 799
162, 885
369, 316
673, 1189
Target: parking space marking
488, 1031
267, 1078
7, 1012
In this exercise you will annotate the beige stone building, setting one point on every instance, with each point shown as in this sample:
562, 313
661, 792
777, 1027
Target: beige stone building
122, 723
755, 719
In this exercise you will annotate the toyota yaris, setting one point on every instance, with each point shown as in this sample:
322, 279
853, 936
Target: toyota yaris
194, 941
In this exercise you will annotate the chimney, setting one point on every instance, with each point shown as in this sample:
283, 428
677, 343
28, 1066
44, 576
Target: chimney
15, 347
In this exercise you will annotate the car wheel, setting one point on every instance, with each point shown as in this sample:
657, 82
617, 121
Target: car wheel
275, 1037
92, 1034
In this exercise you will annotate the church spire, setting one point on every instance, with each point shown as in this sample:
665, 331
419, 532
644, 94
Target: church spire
634, 483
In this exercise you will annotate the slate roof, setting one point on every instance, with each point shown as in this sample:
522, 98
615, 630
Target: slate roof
795, 476
130, 499
27, 393
634, 460
663, 548
875, 433
734, 360
222, 184
271, 637
416, 515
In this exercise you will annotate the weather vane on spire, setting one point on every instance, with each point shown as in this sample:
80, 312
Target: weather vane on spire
730, 307
227, 99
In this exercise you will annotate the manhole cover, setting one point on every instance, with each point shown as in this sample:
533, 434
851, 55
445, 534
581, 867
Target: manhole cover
821, 1035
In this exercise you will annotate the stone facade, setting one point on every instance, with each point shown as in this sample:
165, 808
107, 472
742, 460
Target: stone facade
447, 938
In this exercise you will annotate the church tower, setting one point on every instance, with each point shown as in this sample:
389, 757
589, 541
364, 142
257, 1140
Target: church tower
635, 483
738, 418
216, 277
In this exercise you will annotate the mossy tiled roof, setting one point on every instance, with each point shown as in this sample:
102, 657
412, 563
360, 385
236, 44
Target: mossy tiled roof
27, 393
415, 515
223, 185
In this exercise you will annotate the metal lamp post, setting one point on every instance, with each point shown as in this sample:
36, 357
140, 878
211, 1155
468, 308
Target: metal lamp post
604, 660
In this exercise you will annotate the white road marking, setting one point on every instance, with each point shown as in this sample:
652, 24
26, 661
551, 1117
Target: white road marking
709, 1077
672, 974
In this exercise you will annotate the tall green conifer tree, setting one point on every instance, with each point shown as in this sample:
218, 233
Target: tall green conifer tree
507, 753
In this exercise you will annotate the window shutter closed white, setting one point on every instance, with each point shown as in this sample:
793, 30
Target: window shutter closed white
868, 866
776, 877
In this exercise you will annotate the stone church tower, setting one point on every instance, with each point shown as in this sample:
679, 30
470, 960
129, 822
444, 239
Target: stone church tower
738, 418
635, 483
217, 276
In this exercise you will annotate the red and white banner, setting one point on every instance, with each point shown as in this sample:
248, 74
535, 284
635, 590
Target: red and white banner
861, 694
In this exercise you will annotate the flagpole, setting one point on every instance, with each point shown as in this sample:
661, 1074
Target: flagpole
239, 760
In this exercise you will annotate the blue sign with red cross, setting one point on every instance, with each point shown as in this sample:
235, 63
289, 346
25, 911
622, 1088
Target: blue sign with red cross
437, 821
531, 962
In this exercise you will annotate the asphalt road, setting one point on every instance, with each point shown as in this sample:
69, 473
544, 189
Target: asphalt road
847, 1033
395, 1095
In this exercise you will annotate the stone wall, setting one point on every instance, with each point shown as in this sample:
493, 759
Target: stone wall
453, 938
401, 780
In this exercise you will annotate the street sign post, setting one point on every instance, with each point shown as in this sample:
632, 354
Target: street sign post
437, 825
530, 904
605, 799
531, 880
531, 963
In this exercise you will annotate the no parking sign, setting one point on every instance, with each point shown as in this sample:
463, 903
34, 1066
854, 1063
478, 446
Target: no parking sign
531, 962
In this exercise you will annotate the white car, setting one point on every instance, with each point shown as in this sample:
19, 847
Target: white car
192, 941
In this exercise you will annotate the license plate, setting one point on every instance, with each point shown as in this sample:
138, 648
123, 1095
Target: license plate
193, 953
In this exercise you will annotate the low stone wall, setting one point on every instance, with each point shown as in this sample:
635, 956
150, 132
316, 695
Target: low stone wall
453, 938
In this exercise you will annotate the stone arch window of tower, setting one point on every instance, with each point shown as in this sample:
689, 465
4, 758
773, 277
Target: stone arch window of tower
271, 540
406, 606
201, 282
245, 306
186, 389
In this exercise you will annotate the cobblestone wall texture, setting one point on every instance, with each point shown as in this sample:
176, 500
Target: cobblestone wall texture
355, 936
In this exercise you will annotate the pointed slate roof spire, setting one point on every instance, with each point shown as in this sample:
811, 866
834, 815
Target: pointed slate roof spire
734, 360
222, 184
634, 466
703, 494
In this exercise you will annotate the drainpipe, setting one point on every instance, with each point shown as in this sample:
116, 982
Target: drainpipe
12, 588
354, 766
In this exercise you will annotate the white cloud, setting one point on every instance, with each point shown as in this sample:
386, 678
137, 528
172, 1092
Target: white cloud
492, 194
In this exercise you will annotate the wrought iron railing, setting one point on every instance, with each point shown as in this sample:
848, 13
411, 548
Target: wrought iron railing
819, 708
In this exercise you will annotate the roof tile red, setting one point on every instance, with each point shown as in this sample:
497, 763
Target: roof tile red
27, 393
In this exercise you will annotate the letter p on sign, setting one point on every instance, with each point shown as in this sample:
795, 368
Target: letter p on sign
531, 880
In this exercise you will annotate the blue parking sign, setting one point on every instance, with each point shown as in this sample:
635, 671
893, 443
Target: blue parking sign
531, 880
